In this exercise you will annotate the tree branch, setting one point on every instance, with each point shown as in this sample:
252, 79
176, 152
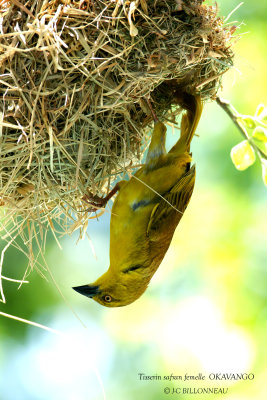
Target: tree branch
235, 117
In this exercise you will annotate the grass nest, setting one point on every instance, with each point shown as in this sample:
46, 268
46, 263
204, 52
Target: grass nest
73, 78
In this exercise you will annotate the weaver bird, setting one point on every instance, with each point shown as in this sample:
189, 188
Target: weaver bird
146, 213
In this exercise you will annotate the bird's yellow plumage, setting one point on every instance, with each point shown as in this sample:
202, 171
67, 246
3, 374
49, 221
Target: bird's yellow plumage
146, 212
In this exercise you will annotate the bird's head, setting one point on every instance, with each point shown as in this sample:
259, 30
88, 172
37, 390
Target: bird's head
116, 290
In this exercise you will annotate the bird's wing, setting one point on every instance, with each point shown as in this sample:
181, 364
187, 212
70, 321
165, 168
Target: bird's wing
167, 212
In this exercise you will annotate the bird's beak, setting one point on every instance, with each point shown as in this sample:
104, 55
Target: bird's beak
87, 290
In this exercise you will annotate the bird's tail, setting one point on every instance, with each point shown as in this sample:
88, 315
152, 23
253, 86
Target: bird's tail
193, 106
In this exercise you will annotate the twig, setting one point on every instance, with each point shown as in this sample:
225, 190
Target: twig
22, 7
235, 117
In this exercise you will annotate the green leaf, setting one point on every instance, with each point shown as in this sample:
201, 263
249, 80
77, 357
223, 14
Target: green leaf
263, 115
259, 110
260, 134
243, 155
248, 121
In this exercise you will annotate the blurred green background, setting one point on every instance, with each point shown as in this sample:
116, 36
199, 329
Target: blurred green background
205, 310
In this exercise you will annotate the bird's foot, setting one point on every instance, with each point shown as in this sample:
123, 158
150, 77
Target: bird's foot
97, 202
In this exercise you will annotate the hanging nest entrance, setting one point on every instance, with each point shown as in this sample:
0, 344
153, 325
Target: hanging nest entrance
73, 78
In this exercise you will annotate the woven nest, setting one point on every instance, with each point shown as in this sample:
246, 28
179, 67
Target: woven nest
74, 76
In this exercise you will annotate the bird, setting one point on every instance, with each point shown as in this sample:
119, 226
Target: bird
146, 212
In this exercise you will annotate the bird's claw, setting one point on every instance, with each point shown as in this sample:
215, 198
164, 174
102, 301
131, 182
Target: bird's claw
95, 202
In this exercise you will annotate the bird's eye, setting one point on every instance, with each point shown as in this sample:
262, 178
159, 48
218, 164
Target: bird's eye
107, 298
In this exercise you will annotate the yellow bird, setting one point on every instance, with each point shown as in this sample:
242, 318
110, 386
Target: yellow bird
146, 212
